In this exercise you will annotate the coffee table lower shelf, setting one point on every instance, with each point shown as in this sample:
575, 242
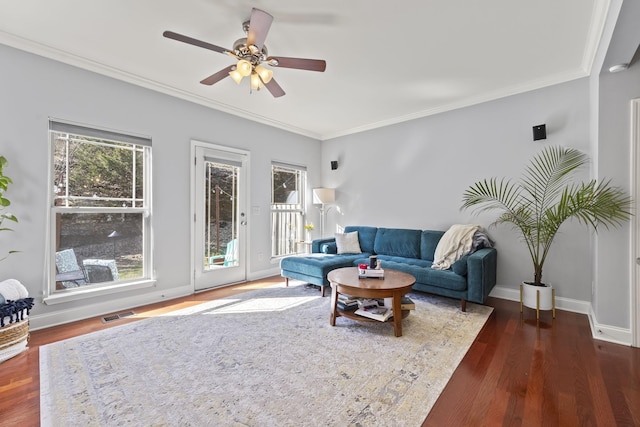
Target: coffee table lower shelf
353, 316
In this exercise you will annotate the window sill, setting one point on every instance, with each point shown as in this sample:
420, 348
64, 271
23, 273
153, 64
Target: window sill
81, 293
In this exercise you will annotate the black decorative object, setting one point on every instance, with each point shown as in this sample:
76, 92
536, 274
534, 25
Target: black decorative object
373, 261
539, 132
334, 165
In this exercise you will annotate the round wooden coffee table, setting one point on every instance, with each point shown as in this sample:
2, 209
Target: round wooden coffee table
395, 284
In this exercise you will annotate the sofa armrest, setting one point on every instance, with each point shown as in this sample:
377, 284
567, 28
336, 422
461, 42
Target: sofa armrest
481, 276
315, 245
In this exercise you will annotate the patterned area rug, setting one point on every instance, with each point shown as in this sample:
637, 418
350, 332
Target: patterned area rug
262, 358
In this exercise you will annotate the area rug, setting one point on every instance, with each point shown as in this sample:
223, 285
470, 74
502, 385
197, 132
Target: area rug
262, 358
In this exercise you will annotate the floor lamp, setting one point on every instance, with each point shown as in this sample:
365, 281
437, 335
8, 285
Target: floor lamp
323, 196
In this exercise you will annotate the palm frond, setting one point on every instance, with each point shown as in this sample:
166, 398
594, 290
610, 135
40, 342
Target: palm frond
545, 198
549, 172
491, 194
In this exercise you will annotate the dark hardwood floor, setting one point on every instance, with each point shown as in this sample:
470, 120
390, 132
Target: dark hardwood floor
552, 373
516, 373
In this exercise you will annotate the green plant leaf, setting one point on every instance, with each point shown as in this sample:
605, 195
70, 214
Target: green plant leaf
538, 205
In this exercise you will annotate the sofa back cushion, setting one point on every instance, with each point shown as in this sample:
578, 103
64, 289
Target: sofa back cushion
366, 236
400, 242
429, 242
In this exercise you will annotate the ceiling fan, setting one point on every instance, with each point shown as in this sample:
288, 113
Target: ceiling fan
251, 54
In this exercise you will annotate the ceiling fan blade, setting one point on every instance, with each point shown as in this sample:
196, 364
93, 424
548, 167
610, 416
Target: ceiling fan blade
297, 63
258, 27
274, 88
195, 42
215, 78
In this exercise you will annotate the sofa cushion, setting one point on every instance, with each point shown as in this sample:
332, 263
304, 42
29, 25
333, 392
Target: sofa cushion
366, 236
398, 242
440, 278
307, 267
428, 243
460, 266
329, 248
348, 243
386, 261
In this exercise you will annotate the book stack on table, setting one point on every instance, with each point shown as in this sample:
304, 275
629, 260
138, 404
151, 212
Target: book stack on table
407, 304
372, 308
380, 309
347, 302
380, 313
370, 272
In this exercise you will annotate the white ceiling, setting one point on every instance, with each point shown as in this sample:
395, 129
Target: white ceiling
386, 61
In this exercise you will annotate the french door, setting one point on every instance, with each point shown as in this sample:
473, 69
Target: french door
219, 212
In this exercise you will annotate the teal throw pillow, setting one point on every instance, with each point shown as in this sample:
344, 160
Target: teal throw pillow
329, 248
460, 266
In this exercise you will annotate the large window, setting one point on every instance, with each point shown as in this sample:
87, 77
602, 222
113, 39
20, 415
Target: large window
100, 210
288, 185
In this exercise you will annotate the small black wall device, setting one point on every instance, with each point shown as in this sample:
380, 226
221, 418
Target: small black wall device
539, 132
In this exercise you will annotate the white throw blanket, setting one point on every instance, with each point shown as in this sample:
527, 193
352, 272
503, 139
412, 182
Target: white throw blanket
13, 290
455, 243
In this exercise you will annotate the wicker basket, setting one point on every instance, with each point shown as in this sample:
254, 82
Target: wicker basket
13, 338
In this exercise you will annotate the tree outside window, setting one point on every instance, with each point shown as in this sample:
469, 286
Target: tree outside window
100, 209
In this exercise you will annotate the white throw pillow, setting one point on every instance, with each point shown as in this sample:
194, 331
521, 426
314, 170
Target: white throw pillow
348, 243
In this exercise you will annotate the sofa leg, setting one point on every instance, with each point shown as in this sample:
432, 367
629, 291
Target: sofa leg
463, 305
286, 281
322, 288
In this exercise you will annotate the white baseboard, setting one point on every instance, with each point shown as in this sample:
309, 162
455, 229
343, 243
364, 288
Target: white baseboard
608, 333
566, 304
40, 321
275, 271
59, 317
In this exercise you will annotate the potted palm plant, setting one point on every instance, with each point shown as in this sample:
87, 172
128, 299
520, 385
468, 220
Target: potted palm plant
542, 201
4, 202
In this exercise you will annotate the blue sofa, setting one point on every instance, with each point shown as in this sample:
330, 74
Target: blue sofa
412, 251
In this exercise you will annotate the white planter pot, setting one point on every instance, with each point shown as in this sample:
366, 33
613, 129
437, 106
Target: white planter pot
538, 298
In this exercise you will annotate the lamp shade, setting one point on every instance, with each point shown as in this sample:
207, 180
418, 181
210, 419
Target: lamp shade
322, 196
256, 83
244, 67
265, 74
236, 76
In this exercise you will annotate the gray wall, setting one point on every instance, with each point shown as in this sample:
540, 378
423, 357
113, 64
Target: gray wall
33, 88
613, 292
413, 175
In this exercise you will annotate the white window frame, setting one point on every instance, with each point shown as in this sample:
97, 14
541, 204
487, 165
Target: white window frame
298, 248
55, 296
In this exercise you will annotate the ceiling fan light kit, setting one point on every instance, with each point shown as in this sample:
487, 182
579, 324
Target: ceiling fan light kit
244, 67
265, 74
251, 53
236, 76
256, 83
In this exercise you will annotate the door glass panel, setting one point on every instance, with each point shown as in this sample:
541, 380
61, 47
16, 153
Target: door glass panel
221, 215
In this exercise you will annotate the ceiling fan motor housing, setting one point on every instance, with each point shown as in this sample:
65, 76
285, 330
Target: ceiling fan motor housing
249, 52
